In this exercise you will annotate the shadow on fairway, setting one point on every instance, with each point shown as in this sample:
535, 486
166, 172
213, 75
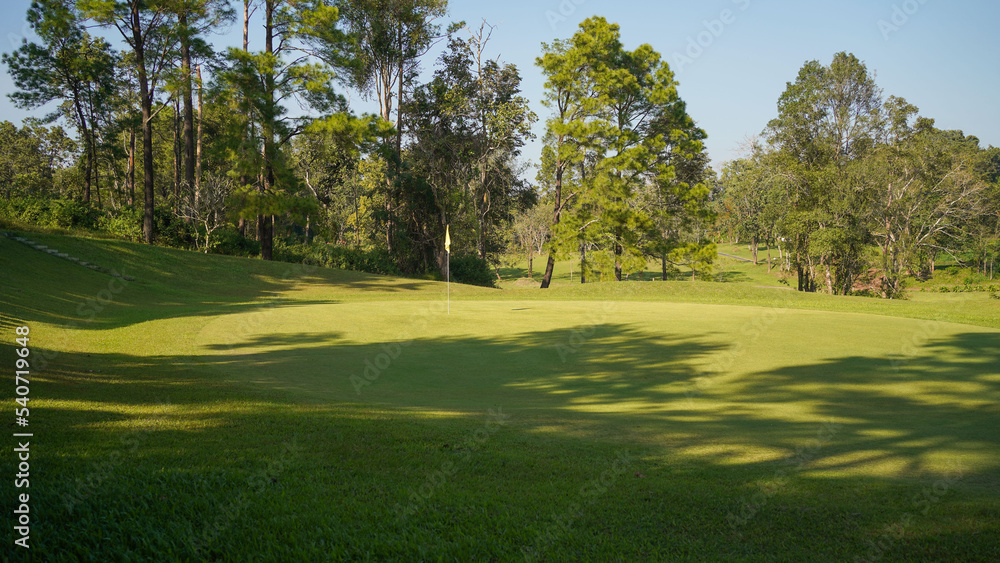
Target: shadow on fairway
279, 446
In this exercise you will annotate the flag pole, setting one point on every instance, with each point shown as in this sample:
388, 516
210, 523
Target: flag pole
447, 250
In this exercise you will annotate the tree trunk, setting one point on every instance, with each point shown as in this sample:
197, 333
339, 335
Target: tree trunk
265, 224
663, 263
88, 165
197, 167
551, 264
618, 260
531, 266
97, 184
146, 102
187, 93
131, 167
246, 26
177, 153
583, 263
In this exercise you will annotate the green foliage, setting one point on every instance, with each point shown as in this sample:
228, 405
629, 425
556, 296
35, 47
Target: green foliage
319, 253
622, 159
22, 166
126, 224
468, 126
228, 240
472, 270
50, 213
172, 230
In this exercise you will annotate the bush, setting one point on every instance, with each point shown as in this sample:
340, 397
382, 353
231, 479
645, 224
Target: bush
944, 289
228, 240
171, 230
50, 213
293, 253
472, 270
126, 225
375, 261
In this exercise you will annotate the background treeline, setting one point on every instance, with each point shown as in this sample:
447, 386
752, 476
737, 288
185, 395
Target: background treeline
256, 152
857, 192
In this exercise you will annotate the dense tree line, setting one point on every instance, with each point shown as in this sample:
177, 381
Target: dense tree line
856, 190
255, 151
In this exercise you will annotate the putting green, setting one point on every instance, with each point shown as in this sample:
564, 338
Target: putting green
731, 383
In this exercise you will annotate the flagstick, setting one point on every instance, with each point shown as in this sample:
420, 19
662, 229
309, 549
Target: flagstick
449, 280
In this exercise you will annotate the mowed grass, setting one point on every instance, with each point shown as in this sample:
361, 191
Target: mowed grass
225, 409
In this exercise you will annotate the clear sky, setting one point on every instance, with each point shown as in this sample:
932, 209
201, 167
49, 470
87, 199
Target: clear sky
734, 57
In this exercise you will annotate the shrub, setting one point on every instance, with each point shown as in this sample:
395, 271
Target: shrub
471, 270
374, 261
228, 240
171, 230
50, 213
126, 225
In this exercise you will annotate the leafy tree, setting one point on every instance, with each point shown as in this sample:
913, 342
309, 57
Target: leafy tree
266, 80
531, 229
69, 65
468, 126
751, 199
611, 137
828, 120
146, 27
22, 162
929, 193
387, 39
194, 19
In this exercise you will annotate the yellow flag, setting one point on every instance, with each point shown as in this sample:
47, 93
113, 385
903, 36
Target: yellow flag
447, 239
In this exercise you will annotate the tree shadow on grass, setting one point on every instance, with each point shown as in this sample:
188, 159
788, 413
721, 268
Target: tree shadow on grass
570, 395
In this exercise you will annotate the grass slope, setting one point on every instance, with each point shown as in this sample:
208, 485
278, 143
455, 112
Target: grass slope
226, 409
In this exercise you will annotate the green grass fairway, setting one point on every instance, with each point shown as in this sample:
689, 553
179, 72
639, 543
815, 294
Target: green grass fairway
224, 409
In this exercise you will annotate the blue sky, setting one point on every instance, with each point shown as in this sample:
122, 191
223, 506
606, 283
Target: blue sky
734, 57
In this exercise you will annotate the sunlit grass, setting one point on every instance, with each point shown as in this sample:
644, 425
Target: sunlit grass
225, 409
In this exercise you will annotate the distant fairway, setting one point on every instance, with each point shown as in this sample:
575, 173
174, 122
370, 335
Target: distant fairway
224, 408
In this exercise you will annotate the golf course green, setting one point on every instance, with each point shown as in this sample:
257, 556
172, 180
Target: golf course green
214, 408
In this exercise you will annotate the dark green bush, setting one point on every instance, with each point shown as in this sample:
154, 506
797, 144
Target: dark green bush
50, 213
171, 230
228, 240
471, 270
375, 261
